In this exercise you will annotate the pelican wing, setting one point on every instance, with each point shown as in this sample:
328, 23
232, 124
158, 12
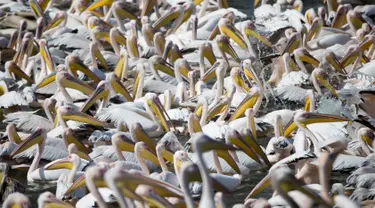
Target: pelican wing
12, 98
28, 121
291, 93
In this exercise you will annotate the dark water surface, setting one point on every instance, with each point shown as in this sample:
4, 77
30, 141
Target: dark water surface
33, 190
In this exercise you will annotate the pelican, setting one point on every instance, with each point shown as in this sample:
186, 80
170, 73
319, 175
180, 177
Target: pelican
8, 185
34, 173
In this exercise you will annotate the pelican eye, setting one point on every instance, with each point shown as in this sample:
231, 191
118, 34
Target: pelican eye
272, 153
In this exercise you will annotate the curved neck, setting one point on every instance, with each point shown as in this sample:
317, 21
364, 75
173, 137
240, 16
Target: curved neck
94, 191
161, 160
48, 112
141, 162
62, 121
114, 44
118, 194
118, 152
203, 119
65, 93
74, 170
309, 133
34, 165
217, 163
185, 189
207, 197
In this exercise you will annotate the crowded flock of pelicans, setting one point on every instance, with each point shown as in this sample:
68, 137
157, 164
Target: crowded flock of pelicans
177, 103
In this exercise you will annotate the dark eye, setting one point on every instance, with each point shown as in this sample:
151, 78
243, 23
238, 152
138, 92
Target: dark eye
272, 153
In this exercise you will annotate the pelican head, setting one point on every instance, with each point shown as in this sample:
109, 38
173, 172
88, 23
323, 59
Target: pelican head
65, 80
306, 118
173, 13
248, 29
153, 199
12, 68
320, 76
38, 137
73, 149
233, 137
64, 163
180, 157
158, 63
46, 55
157, 111
340, 18
225, 47
16, 200
278, 148
227, 28
305, 56
74, 65
331, 58
248, 102
70, 113
101, 92
47, 199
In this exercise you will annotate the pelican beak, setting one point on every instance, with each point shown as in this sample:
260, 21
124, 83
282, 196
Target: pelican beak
306, 108
224, 154
227, 28
80, 182
355, 19
225, 46
291, 44
36, 138
59, 18
307, 118
158, 109
47, 80
161, 65
193, 123
218, 108
12, 68
46, 55
235, 139
95, 50
56, 203
38, 12
367, 42
147, 7
121, 65
238, 79
248, 102
351, 56
69, 138
210, 73
139, 134
183, 66
248, 137
101, 92
197, 2
315, 28
67, 80
74, 65
305, 56
206, 51
99, 32
291, 127
263, 184
132, 180
340, 18
368, 137
172, 14
189, 8
172, 52
120, 88
59, 164
148, 155
83, 118
121, 10
323, 81
98, 4
168, 156
256, 3
335, 63
132, 46
249, 31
